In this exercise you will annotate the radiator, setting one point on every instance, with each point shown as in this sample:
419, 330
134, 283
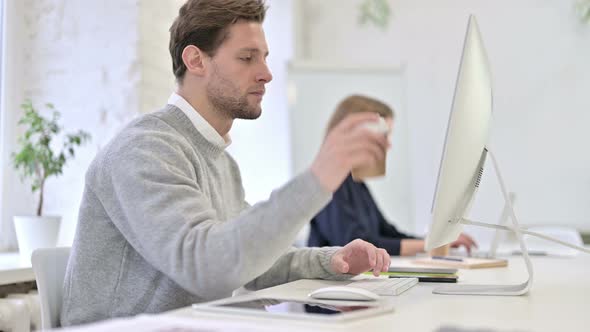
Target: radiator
20, 312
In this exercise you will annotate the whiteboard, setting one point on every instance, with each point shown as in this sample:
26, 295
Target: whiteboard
314, 91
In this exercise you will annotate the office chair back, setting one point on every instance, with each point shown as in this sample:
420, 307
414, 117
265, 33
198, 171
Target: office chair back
49, 265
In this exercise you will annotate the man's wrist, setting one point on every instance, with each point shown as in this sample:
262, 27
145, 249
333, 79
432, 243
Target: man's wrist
324, 184
326, 257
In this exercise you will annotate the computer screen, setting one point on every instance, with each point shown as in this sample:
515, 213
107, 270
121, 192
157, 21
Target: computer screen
465, 143
461, 167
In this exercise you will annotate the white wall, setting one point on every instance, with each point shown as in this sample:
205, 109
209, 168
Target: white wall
539, 55
81, 56
157, 79
12, 34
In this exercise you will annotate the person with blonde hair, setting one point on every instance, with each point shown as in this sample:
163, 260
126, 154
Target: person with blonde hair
352, 213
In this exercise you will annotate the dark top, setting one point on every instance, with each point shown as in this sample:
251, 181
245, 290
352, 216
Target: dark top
353, 214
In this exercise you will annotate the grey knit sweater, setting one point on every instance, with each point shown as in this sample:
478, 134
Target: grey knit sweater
163, 223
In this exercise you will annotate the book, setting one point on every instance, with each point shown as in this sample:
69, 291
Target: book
417, 274
423, 275
462, 262
429, 278
419, 269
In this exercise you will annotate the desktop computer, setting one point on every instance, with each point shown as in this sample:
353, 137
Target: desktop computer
462, 164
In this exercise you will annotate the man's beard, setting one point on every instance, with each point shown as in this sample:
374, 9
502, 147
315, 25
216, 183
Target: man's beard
225, 97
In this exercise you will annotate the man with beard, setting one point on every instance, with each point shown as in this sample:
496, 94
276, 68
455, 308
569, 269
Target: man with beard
163, 222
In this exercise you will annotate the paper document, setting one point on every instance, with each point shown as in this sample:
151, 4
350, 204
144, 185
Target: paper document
463, 262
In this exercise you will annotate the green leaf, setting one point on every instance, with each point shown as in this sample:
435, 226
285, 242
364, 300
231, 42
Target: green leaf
377, 12
583, 8
35, 159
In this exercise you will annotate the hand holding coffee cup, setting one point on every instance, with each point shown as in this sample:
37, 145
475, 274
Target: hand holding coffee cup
378, 168
349, 145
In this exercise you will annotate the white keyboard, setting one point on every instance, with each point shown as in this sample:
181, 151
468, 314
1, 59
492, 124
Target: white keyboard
387, 287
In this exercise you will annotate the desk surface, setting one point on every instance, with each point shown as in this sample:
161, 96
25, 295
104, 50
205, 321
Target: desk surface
13, 271
558, 301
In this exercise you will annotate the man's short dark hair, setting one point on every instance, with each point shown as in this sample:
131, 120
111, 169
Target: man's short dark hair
205, 24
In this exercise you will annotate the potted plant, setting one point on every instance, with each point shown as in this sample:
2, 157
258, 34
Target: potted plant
37, 159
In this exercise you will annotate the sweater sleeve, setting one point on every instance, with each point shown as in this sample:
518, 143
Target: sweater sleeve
148, 188
299, 263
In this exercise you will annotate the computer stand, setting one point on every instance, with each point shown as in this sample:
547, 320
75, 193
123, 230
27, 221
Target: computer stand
502, 221
505, 290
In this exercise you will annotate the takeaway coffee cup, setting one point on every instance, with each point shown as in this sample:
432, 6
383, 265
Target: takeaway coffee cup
378, 168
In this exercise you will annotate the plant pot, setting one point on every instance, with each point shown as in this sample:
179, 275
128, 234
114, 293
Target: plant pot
34, 232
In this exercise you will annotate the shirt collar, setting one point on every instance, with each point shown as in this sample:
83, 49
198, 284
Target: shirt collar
199, 122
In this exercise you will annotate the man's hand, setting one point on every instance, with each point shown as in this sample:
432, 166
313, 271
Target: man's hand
347, 146
466, 241
360, 256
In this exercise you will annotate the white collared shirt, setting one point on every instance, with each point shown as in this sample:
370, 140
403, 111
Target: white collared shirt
199, 122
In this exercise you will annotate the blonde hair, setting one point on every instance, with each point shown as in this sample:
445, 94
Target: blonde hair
357, 104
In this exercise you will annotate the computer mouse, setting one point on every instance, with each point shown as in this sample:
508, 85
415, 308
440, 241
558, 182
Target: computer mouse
343, 293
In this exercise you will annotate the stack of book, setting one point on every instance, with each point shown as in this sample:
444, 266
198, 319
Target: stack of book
424, 274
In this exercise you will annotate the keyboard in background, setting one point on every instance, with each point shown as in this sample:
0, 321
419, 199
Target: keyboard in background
387, 287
